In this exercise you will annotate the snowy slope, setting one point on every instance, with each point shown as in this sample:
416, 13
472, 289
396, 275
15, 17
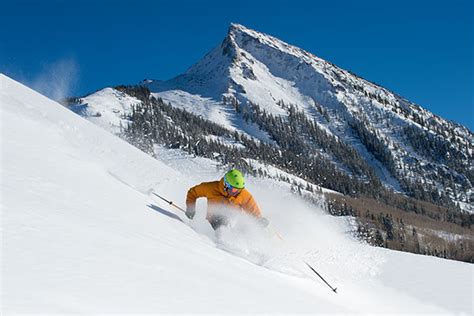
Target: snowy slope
105, 108
81, 235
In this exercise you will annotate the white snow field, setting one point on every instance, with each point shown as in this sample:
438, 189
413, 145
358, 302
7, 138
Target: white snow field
80, 234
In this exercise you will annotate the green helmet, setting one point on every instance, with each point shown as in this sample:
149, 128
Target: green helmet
235, 178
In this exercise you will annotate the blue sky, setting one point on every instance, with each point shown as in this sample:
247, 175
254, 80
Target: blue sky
422, 50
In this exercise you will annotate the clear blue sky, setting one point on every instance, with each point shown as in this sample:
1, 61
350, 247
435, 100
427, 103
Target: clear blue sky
422, 50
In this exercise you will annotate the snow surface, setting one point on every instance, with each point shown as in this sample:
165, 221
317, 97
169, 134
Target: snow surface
80, 234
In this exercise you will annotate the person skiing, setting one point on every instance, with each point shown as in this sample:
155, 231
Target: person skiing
228, 192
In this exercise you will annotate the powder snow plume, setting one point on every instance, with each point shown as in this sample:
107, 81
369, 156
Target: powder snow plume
57, 79
299, 232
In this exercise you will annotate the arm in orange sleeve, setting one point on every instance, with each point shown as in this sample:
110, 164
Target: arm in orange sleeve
251, 206
200, 190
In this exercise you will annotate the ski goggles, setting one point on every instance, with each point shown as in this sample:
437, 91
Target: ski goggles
230, 189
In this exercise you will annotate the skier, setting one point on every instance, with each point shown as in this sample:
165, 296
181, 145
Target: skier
228, 192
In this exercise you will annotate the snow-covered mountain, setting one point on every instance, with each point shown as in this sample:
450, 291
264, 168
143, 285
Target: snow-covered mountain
276, 111
80, 234
410, 149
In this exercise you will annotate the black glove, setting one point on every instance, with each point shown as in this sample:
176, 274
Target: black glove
262, 221
190, 212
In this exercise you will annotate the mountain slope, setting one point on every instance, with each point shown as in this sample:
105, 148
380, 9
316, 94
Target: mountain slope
80, 235
105, 108
410, 149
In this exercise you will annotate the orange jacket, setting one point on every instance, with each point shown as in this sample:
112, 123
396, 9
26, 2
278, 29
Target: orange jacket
216, 197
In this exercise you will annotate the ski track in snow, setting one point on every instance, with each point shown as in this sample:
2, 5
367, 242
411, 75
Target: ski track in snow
80, 234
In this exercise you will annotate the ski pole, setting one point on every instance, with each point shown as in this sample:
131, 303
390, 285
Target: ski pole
169, 202
333, 289
309, 266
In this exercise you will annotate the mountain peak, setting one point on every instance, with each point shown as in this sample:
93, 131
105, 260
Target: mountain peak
239, 32
248, 40
234, 39
235, 27
229, 46
240, 37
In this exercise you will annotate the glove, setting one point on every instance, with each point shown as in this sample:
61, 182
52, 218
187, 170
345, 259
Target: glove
262, 221
190, 212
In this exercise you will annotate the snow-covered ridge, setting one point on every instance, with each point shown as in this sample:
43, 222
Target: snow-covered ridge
80, 235
106, 108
